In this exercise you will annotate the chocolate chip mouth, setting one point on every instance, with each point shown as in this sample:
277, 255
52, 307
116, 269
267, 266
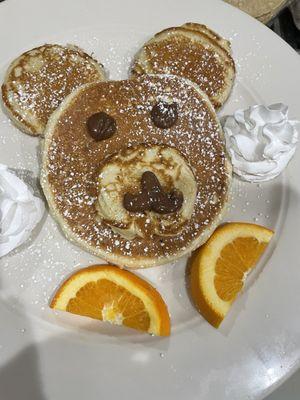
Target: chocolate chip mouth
152, 197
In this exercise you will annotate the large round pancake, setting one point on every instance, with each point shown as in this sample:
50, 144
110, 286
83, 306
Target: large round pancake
37, 82
191, 51
72, 159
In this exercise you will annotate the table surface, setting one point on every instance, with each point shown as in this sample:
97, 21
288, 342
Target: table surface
263, 10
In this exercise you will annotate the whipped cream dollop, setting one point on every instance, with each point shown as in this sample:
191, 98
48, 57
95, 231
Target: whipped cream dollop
20, 211
260, 141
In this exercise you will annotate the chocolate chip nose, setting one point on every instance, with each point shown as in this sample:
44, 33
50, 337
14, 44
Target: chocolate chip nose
137, 202
153, 197
150, 183
166, 203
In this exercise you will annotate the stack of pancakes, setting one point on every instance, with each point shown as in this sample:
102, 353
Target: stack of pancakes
85, 178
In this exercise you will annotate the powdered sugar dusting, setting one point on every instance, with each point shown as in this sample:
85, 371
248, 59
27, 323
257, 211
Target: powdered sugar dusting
74, 158
42, 78
186, 52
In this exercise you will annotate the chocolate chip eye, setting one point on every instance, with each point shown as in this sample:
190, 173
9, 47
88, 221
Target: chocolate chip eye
101, 126
164, 115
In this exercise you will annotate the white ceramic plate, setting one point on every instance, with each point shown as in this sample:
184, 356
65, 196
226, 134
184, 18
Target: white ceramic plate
44, 355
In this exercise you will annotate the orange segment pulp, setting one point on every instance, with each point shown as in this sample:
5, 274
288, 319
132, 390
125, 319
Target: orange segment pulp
220, 267
111, 294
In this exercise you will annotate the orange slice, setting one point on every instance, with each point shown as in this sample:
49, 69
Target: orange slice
115, 295
220, 267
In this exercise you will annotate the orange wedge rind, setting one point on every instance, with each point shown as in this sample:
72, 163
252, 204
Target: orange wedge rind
220, 267
111, 294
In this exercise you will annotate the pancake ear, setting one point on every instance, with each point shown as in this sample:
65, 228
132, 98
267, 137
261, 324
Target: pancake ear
38, 81
190, 51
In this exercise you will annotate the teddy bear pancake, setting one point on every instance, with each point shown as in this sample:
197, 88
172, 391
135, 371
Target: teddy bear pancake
135, 171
